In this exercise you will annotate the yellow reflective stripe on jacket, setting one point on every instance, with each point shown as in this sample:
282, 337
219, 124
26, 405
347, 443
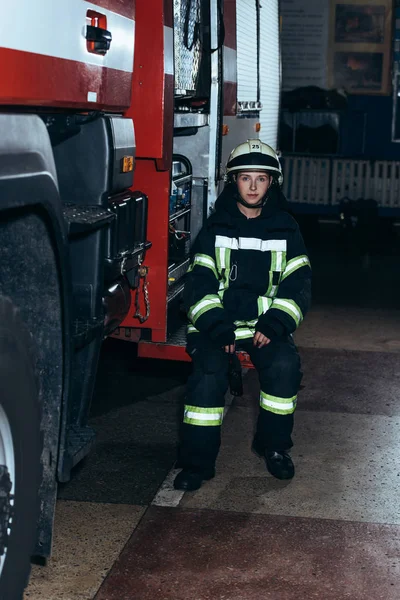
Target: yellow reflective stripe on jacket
223, 260
278, 265
278, 261
203, 260
246, 323
246, 329
277, 405
192, 329
294, 264
289, 307
264, 304
208, 417
244, 333
272, 289
204, 305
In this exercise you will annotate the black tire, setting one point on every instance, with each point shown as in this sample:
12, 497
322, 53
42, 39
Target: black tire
19, 401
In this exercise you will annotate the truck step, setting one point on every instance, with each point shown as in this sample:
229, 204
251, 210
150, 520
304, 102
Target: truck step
83, 219
176, 271
175, 291
178, 337
85, 330
175, 349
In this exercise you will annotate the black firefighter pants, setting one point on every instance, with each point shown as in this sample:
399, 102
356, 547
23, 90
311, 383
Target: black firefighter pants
278, 366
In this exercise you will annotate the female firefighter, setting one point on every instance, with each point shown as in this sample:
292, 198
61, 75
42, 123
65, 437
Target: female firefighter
248, 286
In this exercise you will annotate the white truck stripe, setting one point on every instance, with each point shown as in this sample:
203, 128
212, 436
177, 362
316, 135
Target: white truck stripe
58, 30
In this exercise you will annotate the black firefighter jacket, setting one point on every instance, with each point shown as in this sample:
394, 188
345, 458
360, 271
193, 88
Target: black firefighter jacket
247, 275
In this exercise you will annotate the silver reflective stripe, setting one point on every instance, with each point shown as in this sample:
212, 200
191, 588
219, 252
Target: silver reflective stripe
223, 257
203, 260
207, 303
264, 304
192, 329
222, 241
272, 289
275, 404
262, 245
197, 415
294, 264
246, 323
290, 307
243, 333
278, 261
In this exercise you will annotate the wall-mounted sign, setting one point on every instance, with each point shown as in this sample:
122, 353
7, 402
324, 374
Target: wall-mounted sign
360, 46
304, 43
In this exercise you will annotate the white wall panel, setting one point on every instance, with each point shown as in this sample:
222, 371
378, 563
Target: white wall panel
246, 32
270, 70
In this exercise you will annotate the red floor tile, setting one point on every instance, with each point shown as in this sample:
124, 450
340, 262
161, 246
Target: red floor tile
178, 554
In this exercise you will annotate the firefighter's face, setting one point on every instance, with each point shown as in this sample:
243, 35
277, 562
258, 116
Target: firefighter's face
253, 185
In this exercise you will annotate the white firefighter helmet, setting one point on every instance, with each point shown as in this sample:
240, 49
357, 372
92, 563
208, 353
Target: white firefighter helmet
254, 155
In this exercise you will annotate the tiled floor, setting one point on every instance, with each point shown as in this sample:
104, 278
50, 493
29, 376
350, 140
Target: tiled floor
87, 540
340, 328
181, 554
332, 533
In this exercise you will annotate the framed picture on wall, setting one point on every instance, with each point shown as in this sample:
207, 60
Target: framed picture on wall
360, 46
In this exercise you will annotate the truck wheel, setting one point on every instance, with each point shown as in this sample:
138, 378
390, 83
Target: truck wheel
20, 453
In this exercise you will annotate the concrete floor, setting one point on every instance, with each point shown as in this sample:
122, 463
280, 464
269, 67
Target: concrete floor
88, 538
331, 533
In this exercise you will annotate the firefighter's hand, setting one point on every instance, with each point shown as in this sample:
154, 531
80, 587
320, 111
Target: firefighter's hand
230, 349
260, 340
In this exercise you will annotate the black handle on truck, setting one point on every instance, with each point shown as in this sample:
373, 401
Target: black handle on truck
101, 39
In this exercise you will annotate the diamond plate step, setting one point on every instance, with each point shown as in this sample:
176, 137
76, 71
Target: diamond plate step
83, 219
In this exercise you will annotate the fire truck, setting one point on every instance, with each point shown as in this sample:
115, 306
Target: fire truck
116, 119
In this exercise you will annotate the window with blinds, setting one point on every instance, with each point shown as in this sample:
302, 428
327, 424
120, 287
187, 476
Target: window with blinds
246, 34
270, 71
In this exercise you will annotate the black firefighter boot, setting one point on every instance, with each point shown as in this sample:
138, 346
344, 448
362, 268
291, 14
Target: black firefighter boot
279, 462
190, 479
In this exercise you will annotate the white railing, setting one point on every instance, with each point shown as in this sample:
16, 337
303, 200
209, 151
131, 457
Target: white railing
326, 181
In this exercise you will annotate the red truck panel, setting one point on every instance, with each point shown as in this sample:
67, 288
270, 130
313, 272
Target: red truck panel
153, 112
44, 59
153, 82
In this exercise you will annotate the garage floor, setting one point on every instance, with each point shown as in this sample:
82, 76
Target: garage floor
331, 533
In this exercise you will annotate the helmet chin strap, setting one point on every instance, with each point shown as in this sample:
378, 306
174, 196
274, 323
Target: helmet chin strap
247, 205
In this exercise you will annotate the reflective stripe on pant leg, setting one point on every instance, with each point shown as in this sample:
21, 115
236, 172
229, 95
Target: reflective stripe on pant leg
204, 407
208, 417
277, 405
278, 366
